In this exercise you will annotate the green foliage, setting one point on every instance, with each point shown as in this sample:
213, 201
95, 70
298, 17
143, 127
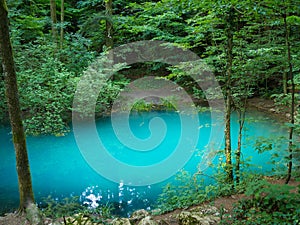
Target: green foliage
98, 82
259, 51
56, 209
187, 190
27, 20
263, 144
105, 211
84, 219
164, 104
76, 53
47, 77
74, 212
78, 219
268, 204
93, 28
170, 103
282, 100
108, 94
46, 96
142, 105
265, 203
152, 20
221, 187
279, 155
48, 80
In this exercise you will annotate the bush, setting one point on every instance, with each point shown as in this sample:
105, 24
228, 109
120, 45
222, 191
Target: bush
268, 204
186, 191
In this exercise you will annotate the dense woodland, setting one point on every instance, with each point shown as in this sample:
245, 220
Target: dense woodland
252, 47
257, 41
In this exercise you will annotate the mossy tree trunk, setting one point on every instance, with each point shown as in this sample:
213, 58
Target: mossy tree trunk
284, 82
229, 57
109, 24
62, 20
54, 21
23, 170
241, 115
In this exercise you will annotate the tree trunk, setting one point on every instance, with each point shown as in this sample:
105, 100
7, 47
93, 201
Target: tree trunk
62, 20
109, 25
229, 35
54, 21
241, 115
23, 170
284, 82
291, 76
228, 138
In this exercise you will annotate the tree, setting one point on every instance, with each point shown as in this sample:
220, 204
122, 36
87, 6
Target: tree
109, 24
62, 20
291, 76
23, 170
53, 20
229, 55
284, 25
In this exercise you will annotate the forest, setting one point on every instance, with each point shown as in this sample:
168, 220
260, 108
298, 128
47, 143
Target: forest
249, 49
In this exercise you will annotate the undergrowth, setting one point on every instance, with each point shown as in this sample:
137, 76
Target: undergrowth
185, 191
73, 212
268, 204
265, 203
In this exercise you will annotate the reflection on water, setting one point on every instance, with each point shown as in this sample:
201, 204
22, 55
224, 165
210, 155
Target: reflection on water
126, 200
91, 199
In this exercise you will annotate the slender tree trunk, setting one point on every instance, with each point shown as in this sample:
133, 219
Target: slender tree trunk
291, 75
54, 21
23, 170
228, 138
109, 25
241, 115
284, 82
229, 35
62, 20
1, 71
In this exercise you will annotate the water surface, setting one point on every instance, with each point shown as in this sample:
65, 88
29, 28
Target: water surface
59, 169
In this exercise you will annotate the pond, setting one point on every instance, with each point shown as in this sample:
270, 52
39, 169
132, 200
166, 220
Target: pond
59, 167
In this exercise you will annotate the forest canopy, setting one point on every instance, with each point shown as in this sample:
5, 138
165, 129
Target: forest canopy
54, 43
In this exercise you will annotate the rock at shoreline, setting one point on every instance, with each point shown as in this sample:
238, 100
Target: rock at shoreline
202, 215
121, 221
138, 215
147, 221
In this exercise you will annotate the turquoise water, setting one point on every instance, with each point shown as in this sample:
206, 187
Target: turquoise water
59, 169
